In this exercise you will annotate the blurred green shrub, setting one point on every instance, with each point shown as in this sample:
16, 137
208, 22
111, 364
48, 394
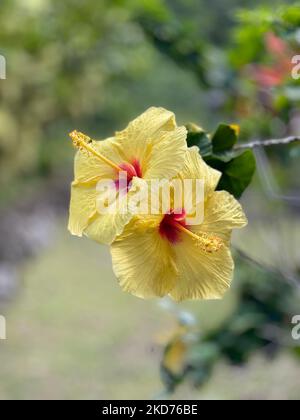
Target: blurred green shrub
69, 64
261, 322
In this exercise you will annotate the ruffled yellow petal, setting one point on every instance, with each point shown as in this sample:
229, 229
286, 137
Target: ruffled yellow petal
204, 275
153, 140
143, 262
82, 207
156, 142
135, 137
222, 214
104, 227
195, 168
88, 168
201, 275
167, 153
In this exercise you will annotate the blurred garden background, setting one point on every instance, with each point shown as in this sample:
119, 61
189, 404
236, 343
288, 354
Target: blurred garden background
93, 66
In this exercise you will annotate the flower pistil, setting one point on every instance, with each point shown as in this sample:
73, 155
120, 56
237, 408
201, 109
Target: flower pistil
173, 224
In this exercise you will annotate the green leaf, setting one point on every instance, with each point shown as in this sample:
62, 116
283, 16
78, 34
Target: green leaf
237, 167
224, 138
237, 173
198, 137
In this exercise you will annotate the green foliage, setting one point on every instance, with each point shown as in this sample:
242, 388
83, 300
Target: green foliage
248, 36
260, 322
218, 151
176, 41
84, 65
237, 172
224, 139
57, 78
231, 64
58, 52
196, 136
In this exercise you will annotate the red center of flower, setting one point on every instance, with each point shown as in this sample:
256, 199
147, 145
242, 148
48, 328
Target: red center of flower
170, 225
131, 169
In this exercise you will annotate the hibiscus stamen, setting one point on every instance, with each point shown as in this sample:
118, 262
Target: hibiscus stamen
173, 223
84, 143
208, 243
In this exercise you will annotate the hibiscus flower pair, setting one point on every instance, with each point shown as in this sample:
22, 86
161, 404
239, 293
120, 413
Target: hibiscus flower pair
160, 253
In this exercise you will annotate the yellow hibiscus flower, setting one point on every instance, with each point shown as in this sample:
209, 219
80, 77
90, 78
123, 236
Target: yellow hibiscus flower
151, 147
161, 254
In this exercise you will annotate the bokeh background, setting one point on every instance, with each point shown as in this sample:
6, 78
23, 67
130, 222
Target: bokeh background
94, 66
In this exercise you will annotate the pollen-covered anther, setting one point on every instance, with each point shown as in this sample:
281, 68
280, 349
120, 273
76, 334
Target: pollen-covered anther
79, 140
209, 243
85, 144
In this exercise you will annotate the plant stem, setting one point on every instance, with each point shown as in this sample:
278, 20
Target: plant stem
266, 143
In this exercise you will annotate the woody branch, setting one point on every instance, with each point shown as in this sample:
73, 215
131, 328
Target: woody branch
267, 143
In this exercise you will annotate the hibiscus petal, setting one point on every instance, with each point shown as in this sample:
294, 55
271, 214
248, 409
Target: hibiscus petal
167, 154
146, 126
155, 142
222, 214
195, 168
104, 227
201, 275
143, 262
89, 168
82, 207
